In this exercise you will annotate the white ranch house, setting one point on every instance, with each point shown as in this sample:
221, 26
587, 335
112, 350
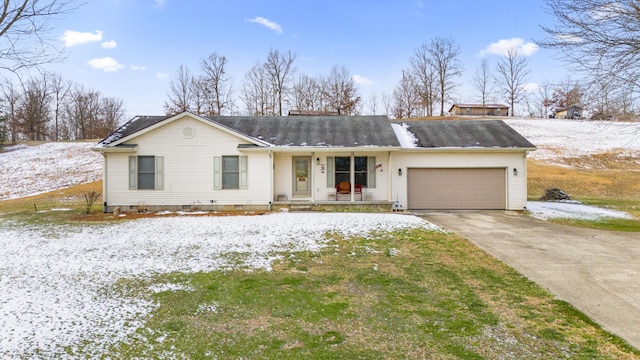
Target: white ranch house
188, 161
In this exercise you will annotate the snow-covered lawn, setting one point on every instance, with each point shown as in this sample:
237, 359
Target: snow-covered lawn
27, 170
572, 210
55, 280
556, 138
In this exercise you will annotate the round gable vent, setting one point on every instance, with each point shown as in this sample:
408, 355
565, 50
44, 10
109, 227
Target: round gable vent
188, 132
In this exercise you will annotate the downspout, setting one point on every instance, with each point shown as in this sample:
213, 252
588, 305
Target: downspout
390, 178
271, 190
313, 176
104, 182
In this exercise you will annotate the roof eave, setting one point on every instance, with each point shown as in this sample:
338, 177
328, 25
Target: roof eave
327, 149
470, 149
133, 148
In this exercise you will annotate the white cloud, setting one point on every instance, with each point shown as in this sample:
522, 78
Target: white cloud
267, 23
531, 87
137, 67
502, 46
162, 76
73, 38
107, 64
109, 44
361, 80
569, 38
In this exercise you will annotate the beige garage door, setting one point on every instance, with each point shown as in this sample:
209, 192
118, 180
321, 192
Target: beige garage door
456, 189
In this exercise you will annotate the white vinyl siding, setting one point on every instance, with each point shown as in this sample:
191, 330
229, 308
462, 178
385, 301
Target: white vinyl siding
188, 168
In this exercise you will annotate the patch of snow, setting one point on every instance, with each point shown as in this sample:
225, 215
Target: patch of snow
169, 287
57, 281
559, 138
571, 210
405, 136
28, 170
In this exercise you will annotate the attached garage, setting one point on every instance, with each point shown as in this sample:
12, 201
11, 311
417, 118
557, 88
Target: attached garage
457, 189
459, 165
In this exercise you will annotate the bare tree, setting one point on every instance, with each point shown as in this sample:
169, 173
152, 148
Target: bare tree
544, 99
444, 59
280, 70
597, 36
424, 74
386, 103
306, 93
82, 110
512, 76
406, 97
11, 98
33, 112
483, 82
24, 32
60, 89
199, 96
372, 103
257, 93
216, 84
341, 91
181, 95
112, 113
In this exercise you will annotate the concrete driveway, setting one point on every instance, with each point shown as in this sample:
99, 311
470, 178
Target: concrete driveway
596, 271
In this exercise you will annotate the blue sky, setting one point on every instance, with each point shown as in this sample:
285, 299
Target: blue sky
131, 49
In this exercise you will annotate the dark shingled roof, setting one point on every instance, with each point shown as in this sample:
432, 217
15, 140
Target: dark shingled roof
466, 134
351, 131
329, 131
131, 127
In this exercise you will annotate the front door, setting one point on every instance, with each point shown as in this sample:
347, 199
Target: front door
301, 176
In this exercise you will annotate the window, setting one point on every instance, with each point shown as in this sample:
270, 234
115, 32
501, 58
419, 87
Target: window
146, 172
468, 110
343, 169
339, 170
230, 172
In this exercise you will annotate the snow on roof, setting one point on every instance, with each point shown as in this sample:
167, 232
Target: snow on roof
405, 136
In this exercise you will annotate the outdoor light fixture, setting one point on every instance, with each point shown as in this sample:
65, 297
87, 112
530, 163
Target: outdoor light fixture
317, 161
399, 172
515, 172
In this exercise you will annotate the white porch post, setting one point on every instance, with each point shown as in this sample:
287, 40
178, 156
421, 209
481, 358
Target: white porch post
352, 177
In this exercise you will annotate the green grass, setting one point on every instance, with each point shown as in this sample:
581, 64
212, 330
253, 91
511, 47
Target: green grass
407, 294
611, 224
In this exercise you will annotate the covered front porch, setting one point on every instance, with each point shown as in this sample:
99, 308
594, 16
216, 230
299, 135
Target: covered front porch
331, 179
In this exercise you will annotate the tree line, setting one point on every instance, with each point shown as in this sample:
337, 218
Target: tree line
269, 88
49, 108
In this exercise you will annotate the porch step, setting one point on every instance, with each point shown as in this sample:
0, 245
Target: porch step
301, 206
